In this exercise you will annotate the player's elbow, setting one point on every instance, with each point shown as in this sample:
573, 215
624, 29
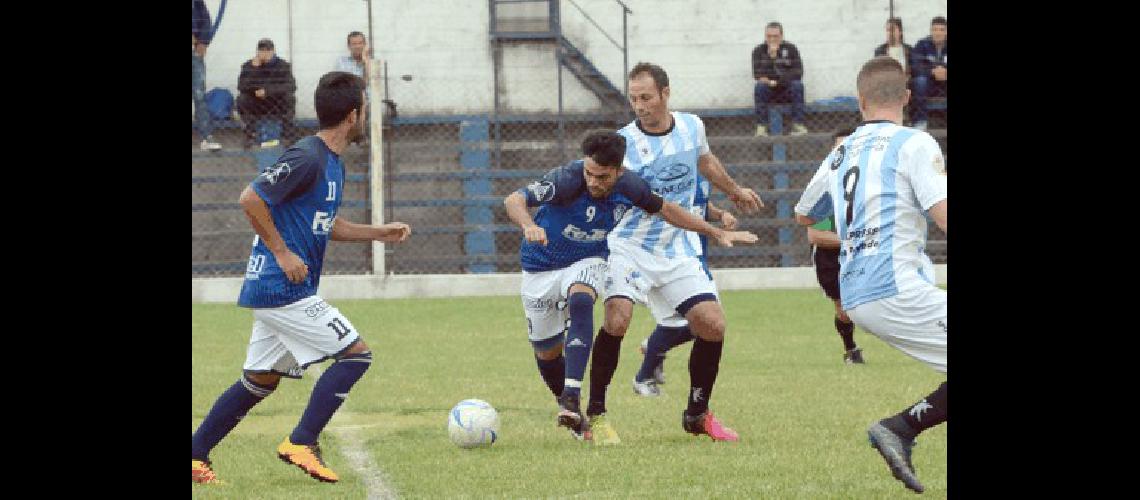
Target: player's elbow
804, 220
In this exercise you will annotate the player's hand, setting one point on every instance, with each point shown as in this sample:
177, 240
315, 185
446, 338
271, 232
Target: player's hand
727, 220
773, 83
746, 200
395, 232
535, 234
727, 238
940, 73
259, 93
256, 62
199, 48
295, 269
763, 79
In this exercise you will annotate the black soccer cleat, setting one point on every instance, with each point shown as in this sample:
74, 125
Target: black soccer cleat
896, 451
853, 356
570, 417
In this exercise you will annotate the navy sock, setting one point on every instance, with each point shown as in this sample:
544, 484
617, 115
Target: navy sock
661, 341
228, 410
579, 340
607, 350
846, 332
704, 363
553, 372
328, 394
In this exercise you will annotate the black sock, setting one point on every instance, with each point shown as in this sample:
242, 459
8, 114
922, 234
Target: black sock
607, 349
846, 332
553, 373
923, 415
704, 363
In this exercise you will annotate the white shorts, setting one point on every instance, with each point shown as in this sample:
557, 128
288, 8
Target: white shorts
913, 322
663, 314
288, 339
661, 283
544, 295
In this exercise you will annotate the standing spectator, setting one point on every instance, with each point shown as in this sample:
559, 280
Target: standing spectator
897, 49
266, 84
778, 71
201, 33
359, 57
928, 65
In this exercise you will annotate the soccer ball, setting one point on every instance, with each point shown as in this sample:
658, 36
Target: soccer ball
473, 423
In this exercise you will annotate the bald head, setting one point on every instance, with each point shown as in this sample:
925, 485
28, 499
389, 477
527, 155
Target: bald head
882, 82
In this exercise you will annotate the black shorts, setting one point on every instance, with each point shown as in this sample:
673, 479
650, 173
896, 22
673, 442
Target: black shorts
827, 270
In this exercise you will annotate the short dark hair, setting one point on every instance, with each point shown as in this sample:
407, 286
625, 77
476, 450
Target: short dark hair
660, 78
881, 81
775, 24
897, 21
938, 20
265, 44
605, 147
355, 33
843, 132
337, 94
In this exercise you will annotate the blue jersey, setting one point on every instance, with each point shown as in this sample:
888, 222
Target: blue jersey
303, 192
576, 224
668, 161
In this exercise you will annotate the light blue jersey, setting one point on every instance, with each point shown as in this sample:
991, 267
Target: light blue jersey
303, 192
668, 162
878, 186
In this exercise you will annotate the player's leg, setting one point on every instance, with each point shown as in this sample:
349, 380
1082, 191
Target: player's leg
623, 287
672, 330
266, 359
914, 322
541, 294
581, 282
852, 354
314, 331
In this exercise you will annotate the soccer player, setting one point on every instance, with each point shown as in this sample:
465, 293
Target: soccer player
878, 185
672, 330
292, 207
660, 262
825, 254
563, 258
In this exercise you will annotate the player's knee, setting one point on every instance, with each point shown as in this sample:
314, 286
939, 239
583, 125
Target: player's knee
550, 354
618, 313
706, 319
580, 301
842, 315
362, 358
579, 288
357, 347
263, 384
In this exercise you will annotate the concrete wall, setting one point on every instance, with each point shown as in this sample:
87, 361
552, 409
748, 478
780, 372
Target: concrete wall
443, 46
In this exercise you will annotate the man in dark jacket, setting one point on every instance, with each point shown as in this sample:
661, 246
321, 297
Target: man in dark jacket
778, 71
266, 84
928, 62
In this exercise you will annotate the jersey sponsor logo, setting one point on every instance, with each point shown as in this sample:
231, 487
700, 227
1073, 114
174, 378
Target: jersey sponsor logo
674, 172
543, 190
317, 309
676, 188
839, 153
277, 173
573, 233
322, 223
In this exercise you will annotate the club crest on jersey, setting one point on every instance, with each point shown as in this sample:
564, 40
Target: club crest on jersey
839, 152
543, 190
619, 211
278, 172
675, 171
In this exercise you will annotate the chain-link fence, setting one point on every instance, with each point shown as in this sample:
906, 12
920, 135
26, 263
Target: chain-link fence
454, 147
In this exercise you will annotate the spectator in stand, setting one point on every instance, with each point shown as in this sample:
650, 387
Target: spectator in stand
897, 49
201, 32
778, 71
358, 62
266, 84
928, 66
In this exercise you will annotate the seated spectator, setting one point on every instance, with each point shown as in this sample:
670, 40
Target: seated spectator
359, 56
897, 49
266, 84
928, 66
778, 71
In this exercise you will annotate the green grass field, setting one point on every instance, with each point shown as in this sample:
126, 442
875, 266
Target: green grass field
801, 413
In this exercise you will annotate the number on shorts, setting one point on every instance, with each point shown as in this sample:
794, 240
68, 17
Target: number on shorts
339, 328
850, 180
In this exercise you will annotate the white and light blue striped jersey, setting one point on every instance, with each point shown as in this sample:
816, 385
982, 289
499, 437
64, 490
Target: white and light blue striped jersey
668, 162
878, 185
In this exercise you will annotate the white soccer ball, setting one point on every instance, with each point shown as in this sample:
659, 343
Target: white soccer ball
473, 423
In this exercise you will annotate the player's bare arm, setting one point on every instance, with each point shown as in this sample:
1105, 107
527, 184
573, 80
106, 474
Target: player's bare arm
727, 220
517, 211
393, 232
823, 239
678, 216
258, 213
938, 213
804, 220
745, 198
